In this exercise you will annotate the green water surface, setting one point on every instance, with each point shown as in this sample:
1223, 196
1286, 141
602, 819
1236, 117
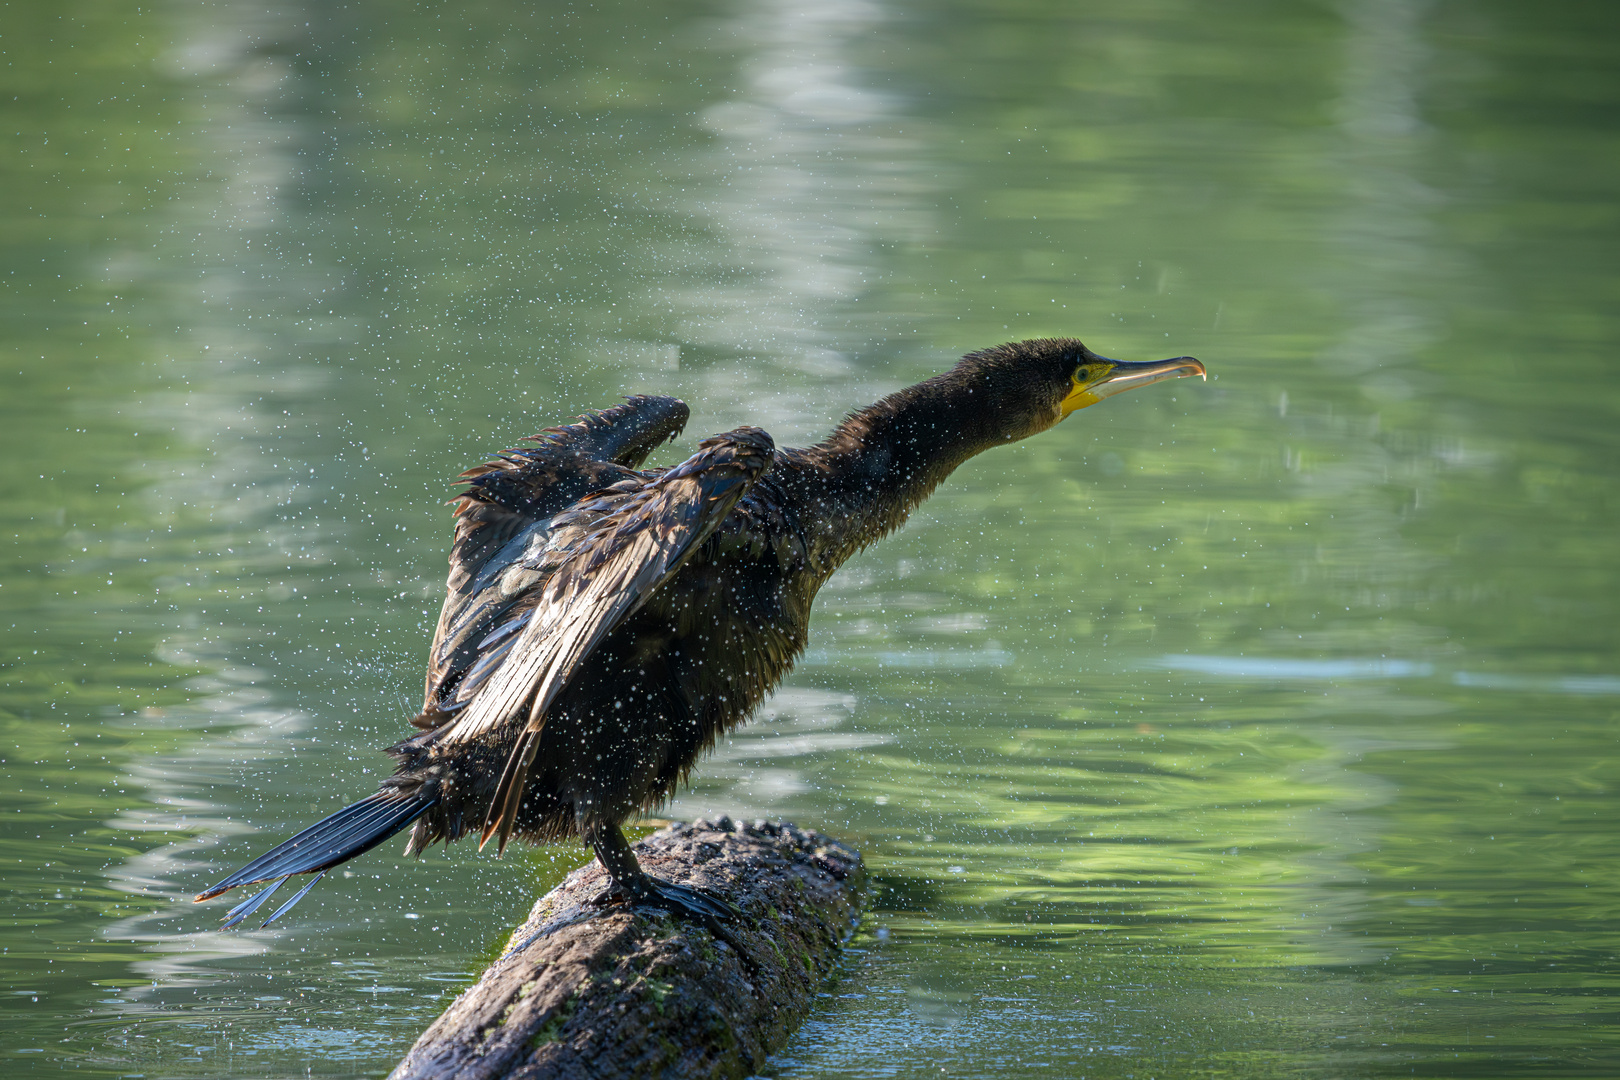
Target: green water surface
1259, 727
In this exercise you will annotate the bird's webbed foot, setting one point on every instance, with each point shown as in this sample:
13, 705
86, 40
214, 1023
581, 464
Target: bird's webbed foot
629, 884
684, 901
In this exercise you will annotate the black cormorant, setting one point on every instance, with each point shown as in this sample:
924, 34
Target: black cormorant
605, 624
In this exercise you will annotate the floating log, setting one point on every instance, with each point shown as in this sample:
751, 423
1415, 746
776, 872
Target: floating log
599, 993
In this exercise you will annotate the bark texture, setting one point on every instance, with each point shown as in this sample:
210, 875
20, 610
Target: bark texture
587, 992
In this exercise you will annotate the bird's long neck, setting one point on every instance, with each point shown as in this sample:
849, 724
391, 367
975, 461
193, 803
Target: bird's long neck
864, 479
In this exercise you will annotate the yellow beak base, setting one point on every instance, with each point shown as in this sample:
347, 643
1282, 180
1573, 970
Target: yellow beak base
1078, 397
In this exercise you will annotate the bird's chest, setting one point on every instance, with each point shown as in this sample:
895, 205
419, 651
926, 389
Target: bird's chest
728, 634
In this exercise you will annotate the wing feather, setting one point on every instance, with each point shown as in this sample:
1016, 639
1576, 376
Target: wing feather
509, 506
609, 559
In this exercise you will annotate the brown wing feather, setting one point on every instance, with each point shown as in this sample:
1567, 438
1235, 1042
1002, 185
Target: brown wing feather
603, 565
510, 501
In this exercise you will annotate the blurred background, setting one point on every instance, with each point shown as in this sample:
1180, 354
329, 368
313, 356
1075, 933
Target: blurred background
1260, 727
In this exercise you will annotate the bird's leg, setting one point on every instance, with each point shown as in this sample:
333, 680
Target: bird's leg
629, 884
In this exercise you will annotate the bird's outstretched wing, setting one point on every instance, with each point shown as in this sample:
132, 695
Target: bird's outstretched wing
506, 511
600, 563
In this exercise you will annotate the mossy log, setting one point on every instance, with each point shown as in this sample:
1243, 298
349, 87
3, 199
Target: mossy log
588, 992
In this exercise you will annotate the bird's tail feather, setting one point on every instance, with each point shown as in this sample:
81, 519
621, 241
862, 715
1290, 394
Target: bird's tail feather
351, 831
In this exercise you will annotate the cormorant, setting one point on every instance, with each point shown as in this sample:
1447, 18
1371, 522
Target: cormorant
605, 624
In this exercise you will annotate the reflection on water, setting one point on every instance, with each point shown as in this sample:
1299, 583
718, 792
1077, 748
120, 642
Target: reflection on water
1321, 670
1263, 726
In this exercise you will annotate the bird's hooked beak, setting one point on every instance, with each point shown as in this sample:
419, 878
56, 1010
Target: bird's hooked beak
1101, 377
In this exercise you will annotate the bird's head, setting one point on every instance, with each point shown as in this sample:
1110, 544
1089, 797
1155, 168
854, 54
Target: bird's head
1024, 387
